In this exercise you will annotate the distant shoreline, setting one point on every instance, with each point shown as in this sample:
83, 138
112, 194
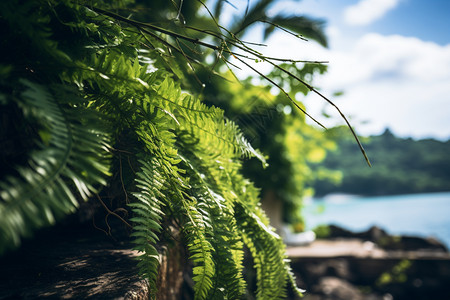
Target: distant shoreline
371, 265
422, 214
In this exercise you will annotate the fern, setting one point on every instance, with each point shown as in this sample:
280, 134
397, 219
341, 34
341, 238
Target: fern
92, 91
147, 210
72, 157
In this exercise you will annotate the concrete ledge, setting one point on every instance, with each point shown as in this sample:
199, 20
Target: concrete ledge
342, 268
358, 248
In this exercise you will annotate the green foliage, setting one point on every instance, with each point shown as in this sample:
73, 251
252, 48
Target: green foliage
401, 166
148, 215
398, 274
322, 231
89, 89
280, 131
71, 155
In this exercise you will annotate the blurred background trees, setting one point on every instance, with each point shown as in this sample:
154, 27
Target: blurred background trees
402, 166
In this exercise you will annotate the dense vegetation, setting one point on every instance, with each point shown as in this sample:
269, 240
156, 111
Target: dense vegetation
113, 102
400, 166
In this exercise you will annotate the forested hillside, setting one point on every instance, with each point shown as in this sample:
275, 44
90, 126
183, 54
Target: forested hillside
400, 166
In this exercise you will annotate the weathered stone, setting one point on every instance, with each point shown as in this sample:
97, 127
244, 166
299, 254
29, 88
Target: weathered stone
337, 289
389, 242
416, 273
80, 264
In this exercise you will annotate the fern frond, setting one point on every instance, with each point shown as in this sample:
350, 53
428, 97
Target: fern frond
196, 227
228, 255
228, 282
219, 136
268, 251
72, 157
147, 211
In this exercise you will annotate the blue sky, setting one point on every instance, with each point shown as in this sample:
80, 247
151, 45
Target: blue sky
390, 57
427, 20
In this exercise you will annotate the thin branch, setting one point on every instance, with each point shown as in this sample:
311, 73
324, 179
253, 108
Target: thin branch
239, 44
179, 10
281, 89
110, 212
96, 227
197, 41
284, 29
121, 180
189, 64
311, 88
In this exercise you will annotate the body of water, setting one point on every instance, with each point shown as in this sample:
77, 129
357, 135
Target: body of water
416, 214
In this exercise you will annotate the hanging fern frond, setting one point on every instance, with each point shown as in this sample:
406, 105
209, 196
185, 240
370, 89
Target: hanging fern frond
72, 160
223, 235
206, 123
196, 227
268, 253
148, 213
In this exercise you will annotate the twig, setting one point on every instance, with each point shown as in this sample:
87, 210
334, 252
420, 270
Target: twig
110, 212
284, 29
281, 89
189, 64
121, 180
96, 227
239, 44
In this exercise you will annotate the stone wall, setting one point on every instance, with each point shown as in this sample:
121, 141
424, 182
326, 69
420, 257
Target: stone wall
399, 268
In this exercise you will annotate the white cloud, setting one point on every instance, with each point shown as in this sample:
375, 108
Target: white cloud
332, 32
390, 81
367, 11
394, 81
375, 58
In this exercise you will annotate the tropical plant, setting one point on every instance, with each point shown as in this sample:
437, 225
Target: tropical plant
93, 97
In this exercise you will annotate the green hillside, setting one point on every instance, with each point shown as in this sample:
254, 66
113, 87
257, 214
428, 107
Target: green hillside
400, 166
